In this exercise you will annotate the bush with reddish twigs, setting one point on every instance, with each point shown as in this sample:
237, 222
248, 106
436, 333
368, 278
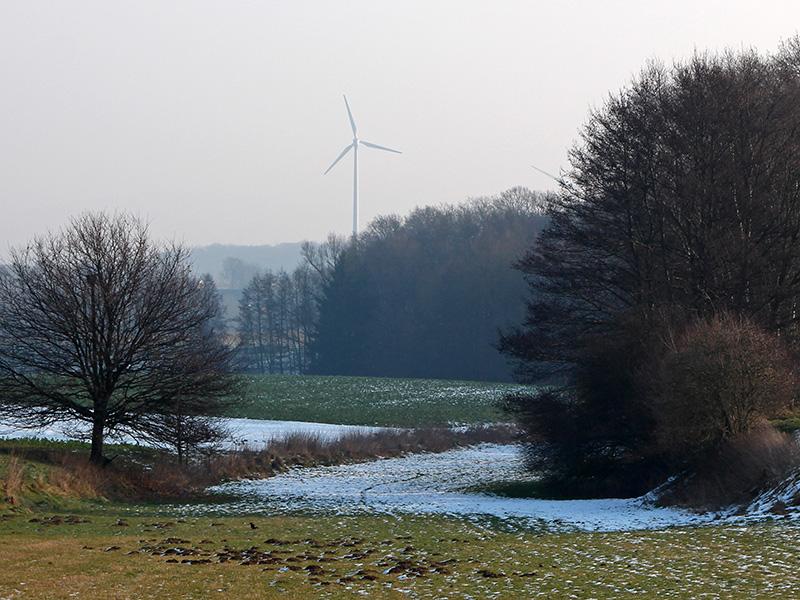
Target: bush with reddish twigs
717, 381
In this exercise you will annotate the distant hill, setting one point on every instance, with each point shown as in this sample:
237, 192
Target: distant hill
210, 259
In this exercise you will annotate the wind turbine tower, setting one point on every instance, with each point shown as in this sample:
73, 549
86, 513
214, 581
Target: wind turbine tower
354, 146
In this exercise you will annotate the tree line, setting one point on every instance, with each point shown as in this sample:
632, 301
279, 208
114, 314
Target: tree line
277, 316
665, 290
415, 296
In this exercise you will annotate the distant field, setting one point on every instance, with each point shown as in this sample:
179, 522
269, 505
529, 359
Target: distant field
371, 400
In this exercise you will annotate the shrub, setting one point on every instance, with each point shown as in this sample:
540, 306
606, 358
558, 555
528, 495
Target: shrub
652, 398
595, 436
583, 446
718, 380
738, 471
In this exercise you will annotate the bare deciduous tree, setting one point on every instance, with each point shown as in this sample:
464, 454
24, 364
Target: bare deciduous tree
322, 258
276, 317
100, 324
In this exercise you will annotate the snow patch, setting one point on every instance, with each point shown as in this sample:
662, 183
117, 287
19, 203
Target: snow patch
435, 484
243, 432
783, 499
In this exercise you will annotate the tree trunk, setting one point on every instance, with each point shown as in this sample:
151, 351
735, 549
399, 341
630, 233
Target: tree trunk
98, 429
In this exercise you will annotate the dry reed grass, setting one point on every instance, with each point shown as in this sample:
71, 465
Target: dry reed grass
66, 476
747, 465
13, 480
74, 476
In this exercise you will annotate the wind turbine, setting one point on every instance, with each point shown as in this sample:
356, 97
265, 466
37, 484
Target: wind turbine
354, 146
553, 177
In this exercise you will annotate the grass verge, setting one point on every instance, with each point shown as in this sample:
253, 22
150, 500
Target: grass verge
788, 423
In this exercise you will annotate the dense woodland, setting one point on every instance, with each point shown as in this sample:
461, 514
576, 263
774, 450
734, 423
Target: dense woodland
665, 289
416, 296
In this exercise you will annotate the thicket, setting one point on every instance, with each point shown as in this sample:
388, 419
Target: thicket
718, 381
664, 292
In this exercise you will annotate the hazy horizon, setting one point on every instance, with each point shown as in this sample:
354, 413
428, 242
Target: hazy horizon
215, 121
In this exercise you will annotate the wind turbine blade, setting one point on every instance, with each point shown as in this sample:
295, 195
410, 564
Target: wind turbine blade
345, 151
553, 177
371, 145
349, 114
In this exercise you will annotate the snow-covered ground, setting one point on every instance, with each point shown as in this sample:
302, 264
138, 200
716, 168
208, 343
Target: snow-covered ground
783, 498
250, 432
436, 483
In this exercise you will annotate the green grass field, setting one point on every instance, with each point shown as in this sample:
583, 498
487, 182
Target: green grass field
60, 541
132, 555
370, 400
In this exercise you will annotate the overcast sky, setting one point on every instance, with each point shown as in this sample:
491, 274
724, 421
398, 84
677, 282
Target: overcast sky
216, 120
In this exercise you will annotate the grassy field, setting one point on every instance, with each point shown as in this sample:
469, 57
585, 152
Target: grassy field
91, 548
370, 400
60, 538
98, 556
